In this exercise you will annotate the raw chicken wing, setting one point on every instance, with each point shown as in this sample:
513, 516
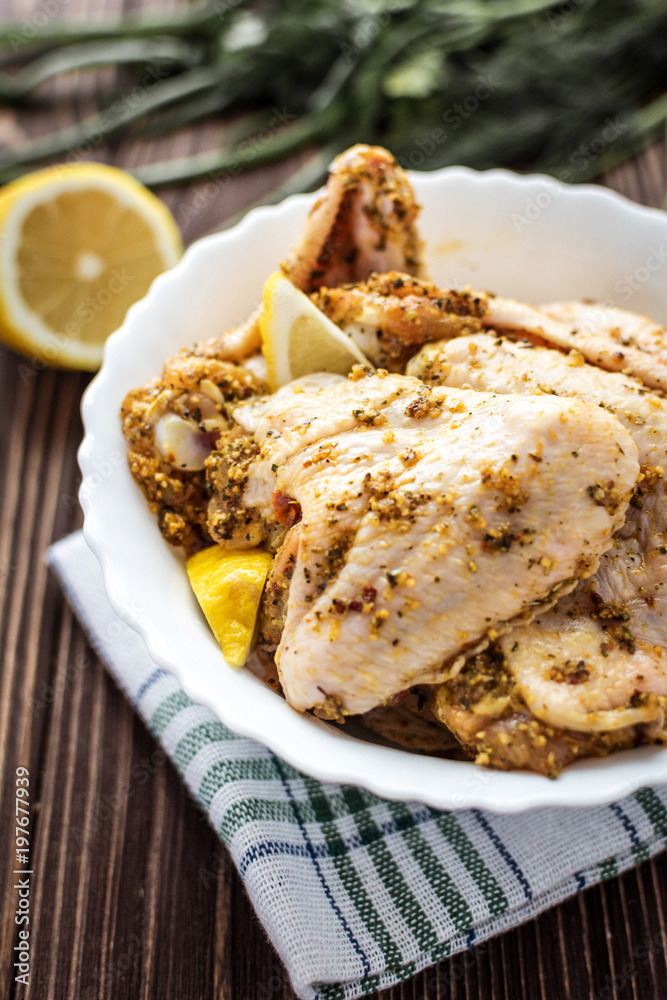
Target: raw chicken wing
596, 662
400, 501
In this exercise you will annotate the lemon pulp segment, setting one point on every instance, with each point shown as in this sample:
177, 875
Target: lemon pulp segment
79, 245
298, 339
228, 584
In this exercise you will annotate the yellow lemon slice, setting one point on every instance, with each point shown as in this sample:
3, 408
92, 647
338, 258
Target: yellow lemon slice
79, 244
298, 339
228, 584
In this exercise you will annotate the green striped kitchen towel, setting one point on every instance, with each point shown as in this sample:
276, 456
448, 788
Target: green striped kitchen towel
357, 893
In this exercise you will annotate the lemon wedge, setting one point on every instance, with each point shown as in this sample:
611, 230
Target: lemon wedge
228, 583
298, 339
79, 244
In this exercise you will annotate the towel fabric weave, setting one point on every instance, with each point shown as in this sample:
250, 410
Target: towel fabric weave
355, 892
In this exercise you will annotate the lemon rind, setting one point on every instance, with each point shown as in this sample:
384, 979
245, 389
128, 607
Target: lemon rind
275, 350
20, 327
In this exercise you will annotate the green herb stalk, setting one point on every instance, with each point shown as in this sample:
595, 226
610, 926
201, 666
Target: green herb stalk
568, 89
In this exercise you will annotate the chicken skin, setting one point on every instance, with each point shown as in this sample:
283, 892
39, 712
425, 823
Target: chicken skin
364, 220
473, 536
171, 424
607, 337
390, 316
596, 662
385, 483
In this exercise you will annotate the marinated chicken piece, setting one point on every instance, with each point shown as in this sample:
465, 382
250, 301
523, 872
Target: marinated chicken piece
605, 336
410, 723
230, 521
596, 662
391, 316
484, 707
274, 605
387, 483
171, 424
625, 330
240, 342
610, 338
365, 221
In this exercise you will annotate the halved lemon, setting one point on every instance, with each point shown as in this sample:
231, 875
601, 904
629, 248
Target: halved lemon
228, 584
79, 244
298, 339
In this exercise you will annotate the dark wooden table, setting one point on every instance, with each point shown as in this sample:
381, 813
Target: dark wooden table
132, 893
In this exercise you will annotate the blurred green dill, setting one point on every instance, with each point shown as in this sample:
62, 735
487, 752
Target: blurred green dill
569, 89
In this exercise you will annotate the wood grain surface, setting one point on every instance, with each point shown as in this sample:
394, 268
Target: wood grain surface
133, 896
